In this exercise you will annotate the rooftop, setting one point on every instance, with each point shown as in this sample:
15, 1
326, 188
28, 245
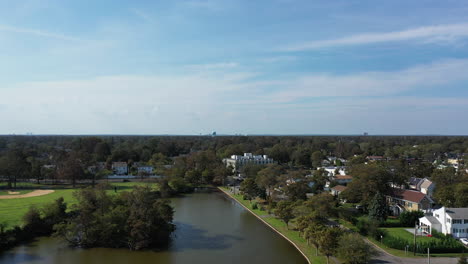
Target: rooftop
457, 213
408, 195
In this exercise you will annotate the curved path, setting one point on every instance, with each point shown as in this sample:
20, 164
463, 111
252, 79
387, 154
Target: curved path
31, 194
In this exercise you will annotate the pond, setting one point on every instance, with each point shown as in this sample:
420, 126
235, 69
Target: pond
211, 228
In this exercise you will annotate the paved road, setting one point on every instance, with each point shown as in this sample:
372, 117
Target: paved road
384, 257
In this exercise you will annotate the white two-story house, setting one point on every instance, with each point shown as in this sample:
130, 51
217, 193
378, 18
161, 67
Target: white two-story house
453, 221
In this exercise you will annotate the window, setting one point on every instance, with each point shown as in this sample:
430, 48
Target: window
456, 221
455, 230
448, 220
466, 221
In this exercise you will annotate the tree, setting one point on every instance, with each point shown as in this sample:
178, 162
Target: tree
268, 177
378, 208
368, 180
409, 218
328, 241
354, 250
250, 189
461, 195
312, 235
13, 164
462, 260
324, 204
284, 211
297, 190
316, 158
72, 168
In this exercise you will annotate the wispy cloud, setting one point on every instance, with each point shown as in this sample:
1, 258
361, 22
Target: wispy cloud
143, 15
366, 83
36, 32
438, 33
213, 66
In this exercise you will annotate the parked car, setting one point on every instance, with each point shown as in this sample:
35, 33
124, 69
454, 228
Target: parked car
464, 241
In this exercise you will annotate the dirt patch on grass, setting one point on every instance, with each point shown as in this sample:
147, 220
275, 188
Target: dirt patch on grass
10, 192
31, 194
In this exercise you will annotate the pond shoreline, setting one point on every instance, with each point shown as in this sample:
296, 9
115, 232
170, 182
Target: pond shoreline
266, 223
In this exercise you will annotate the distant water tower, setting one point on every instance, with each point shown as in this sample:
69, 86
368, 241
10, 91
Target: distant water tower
366, 134
213, 134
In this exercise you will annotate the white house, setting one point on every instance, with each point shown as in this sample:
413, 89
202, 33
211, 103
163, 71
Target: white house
427, 187
332, 170
145, 169
238, 161
120, 168
453, 221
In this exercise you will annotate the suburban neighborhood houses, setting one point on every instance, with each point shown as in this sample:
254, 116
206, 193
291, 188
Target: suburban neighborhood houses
398, 200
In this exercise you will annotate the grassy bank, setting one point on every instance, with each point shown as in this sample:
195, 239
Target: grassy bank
12, 210
280, 226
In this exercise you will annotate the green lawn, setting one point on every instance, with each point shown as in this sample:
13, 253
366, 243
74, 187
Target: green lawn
12, 210
279, 225
401, 232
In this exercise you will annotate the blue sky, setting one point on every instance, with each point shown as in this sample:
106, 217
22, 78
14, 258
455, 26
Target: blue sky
250, 67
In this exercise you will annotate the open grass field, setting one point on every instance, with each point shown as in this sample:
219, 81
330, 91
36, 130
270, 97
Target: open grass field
12, 210
402, 233
280, 226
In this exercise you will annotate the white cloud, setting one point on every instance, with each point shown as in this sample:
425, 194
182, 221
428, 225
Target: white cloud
438, 34
233, 102
143, 15
212, 66
370, 83
35, 32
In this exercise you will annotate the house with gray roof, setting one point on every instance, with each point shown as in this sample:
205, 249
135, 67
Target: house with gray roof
452, 221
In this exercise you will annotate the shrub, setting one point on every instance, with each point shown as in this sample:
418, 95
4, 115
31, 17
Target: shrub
408, 219
254, 206
368, 227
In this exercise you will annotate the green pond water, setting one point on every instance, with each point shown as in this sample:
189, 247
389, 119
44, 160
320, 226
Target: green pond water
211, 228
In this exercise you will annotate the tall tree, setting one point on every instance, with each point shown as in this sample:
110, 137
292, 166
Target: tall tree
284, 211
354, 250
378, 208
328, 241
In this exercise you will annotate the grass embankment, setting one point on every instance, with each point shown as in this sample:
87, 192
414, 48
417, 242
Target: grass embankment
12, 210
280, 226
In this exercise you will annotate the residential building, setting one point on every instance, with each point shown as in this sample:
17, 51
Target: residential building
408, 200
414, 182
343, 179
332, 170
238, 161
120, 168
336, 190
423, 185
427, 187
145, 170
448, 221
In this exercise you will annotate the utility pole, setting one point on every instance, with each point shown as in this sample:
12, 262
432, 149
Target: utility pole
414, 245
428, 257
